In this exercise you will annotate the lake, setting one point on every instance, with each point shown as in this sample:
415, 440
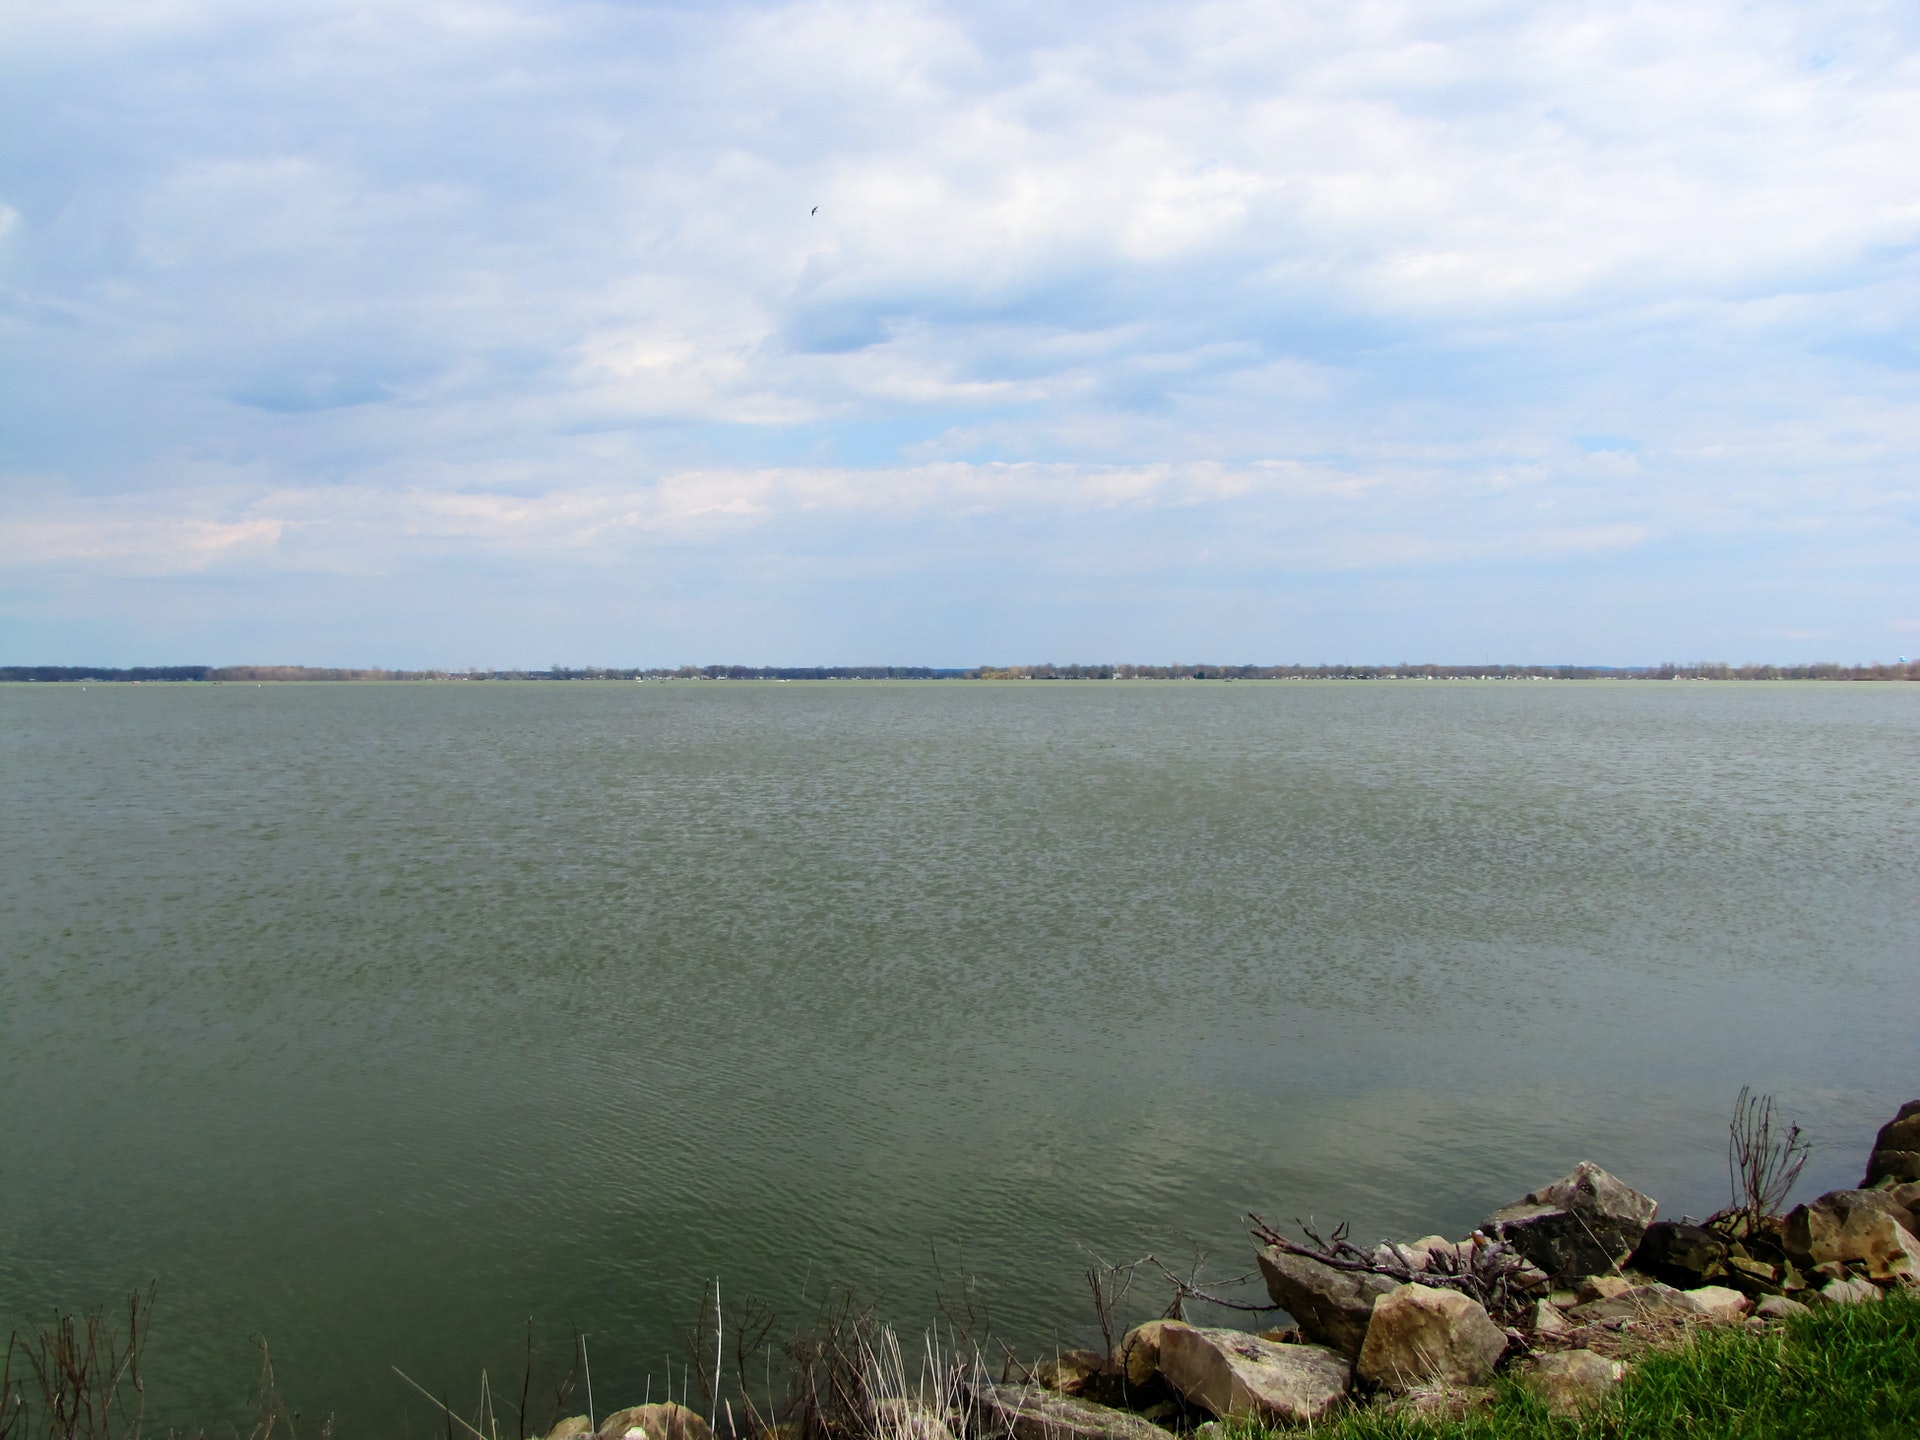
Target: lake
378, 1019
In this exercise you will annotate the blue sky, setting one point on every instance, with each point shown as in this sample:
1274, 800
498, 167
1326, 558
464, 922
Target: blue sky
449, 333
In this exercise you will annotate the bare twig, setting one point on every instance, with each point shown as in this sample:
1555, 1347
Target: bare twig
445, 1409
1762, 1168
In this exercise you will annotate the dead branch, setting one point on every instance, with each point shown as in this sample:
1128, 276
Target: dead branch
1762, 1168
1488, 1271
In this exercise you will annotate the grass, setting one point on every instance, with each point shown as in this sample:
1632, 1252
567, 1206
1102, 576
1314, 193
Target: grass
1842, 1373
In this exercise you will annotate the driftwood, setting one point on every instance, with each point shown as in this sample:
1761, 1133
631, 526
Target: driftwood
1483, 1269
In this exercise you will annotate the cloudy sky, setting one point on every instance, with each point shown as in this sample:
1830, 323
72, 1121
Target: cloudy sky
505, 332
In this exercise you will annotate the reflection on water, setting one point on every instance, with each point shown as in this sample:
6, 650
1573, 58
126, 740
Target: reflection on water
378, 1018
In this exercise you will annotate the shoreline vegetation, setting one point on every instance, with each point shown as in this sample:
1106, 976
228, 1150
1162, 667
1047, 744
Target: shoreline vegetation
1569, 1314
257, 674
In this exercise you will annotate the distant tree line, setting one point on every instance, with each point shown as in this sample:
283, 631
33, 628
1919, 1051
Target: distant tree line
1698, 670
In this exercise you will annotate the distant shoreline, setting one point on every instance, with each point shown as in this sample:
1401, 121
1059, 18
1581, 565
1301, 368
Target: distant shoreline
257, 674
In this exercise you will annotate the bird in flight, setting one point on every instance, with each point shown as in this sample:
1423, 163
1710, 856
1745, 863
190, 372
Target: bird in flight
814, 211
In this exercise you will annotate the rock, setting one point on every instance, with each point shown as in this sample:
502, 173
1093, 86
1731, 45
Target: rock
1531, 1277
1429, 1252
1030, 1413
1547, 1319
1422, 1336
1683, 1255
1652, 1301
1847, 1292
1602, 1287
1330, 1306
1779, 1307
1896, 1149
1718, 1302
1585, 1223
1905, 1194
1855, 1227
665, 1421
1070, 1372
1137, 1356
1753, 1269
1573, 1380
1429, 1246
1233, 1375
570, 1427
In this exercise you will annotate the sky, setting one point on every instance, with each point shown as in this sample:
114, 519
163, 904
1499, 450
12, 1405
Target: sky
449, 333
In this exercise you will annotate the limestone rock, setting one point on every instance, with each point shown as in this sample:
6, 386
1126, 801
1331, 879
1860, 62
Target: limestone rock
1719, 1302
665, 1421
1137, 1356
1428, 1246
1652, 1301
1069, 1372
1855, 1227
1573, 1380
1547, 1319
1847, 1292
1585, 1223
1683, 1255
1758, 1271
1904, 1193
573, 1425
1602, 1287
1896, 1150
1779, 1307
1422, 1336
1026, 1412
1231, 1374
1330, 1306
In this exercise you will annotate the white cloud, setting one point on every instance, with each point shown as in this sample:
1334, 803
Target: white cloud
529, 276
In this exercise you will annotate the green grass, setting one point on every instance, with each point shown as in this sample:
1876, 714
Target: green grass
1845, 1372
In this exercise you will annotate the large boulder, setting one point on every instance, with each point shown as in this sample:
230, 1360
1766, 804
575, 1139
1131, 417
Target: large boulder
1584, 1223
1233, 1375
1026, 1412
1896, 1150
665, 1421
1423, 1336
1683, 1255
1330, 1306
1573, 1380
1865, 1227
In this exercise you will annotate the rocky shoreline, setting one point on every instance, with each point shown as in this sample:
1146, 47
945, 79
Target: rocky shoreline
1561, 1289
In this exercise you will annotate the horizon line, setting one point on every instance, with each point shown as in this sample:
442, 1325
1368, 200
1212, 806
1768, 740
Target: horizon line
1903, 669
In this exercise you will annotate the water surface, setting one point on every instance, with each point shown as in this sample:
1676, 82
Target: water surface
379, 1018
